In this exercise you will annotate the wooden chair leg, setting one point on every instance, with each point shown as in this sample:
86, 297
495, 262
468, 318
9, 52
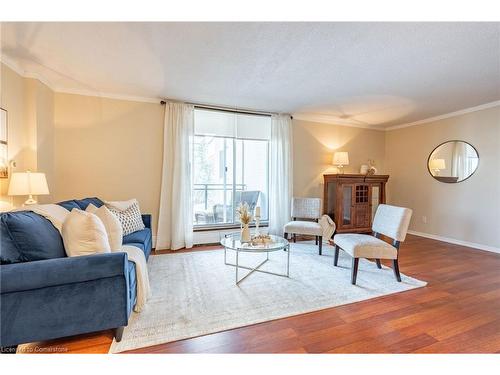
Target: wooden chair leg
294, 238
395, 267
354, 270
316, 240
379, 266
336, 257
320, 240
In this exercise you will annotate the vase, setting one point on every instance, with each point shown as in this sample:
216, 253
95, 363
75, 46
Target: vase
245, 233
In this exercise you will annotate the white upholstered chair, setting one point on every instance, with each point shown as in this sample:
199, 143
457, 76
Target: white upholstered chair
391, 221
310, 210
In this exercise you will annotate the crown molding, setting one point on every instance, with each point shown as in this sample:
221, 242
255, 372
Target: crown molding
332, 120
12, 65
106, 95
446, 115
25, 74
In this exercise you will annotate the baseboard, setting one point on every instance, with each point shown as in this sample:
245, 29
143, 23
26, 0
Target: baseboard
456, 242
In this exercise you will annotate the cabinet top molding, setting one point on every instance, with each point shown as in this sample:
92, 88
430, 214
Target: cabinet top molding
357, 176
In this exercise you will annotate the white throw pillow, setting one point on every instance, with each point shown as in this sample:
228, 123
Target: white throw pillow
111, 224
129, 214
83, 233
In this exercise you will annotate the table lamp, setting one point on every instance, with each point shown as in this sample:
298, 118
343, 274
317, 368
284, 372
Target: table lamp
28, 183
437, 165
340, 159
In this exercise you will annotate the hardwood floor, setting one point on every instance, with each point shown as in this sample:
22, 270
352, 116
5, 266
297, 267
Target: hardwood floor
458, 312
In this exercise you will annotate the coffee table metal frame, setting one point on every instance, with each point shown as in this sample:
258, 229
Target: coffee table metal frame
280, 244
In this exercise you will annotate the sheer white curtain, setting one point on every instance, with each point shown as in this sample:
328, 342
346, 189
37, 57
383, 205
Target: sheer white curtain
281, 173
175, 221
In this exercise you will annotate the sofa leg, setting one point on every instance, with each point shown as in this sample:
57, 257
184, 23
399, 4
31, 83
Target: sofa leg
379, 266
118, 333
336, 257
354, 270
320, 240
395, 267
294, 238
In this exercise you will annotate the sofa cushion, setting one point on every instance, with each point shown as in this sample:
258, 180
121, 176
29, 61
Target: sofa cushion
27, 236
9, 253
69, 205
81, 204
141, 239
141, 236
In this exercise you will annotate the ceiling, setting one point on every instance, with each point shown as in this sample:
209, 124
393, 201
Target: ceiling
364, 74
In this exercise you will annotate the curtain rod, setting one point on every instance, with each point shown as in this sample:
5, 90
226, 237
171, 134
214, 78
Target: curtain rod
225, 109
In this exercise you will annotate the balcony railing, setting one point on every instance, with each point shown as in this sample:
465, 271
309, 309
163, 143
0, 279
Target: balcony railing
205, 188
209, 215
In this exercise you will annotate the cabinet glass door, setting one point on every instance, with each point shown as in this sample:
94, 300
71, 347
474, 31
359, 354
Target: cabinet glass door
347, 205
362, 206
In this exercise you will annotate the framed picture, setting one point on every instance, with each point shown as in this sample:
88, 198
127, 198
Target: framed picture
4, 165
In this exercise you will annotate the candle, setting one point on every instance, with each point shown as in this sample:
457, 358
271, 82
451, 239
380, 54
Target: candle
257, 211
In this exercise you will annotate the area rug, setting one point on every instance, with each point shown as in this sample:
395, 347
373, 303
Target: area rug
195, 294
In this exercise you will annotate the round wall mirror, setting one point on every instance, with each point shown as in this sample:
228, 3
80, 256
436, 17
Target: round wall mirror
453, 161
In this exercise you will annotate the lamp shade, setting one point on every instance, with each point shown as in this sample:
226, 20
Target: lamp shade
437, 164
28, 183
341, 158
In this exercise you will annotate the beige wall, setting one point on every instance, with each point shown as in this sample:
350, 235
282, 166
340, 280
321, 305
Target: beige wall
30, 106
45, 137
314, 144
467, 211
108, 148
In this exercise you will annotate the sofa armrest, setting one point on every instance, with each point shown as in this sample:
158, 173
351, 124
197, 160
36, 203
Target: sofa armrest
146, 219
52, 272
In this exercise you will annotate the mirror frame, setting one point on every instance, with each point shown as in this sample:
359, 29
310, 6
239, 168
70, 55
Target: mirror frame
442, 143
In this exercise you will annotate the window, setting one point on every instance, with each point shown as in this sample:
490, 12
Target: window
230, 165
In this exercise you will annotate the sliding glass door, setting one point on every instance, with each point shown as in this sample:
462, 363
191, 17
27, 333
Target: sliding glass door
229, 167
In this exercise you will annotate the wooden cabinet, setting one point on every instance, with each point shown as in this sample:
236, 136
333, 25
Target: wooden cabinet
352, 199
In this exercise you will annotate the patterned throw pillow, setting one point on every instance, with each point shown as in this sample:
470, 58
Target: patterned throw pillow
129, 215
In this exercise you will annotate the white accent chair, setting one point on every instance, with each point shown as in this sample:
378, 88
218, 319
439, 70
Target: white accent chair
309, 209
391, 221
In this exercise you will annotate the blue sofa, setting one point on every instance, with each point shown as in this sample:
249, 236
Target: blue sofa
47, 295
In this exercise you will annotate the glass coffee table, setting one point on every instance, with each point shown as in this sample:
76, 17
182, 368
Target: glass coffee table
232, 242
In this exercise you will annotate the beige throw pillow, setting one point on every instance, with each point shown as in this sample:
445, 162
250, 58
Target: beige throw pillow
111, 224
83, 233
